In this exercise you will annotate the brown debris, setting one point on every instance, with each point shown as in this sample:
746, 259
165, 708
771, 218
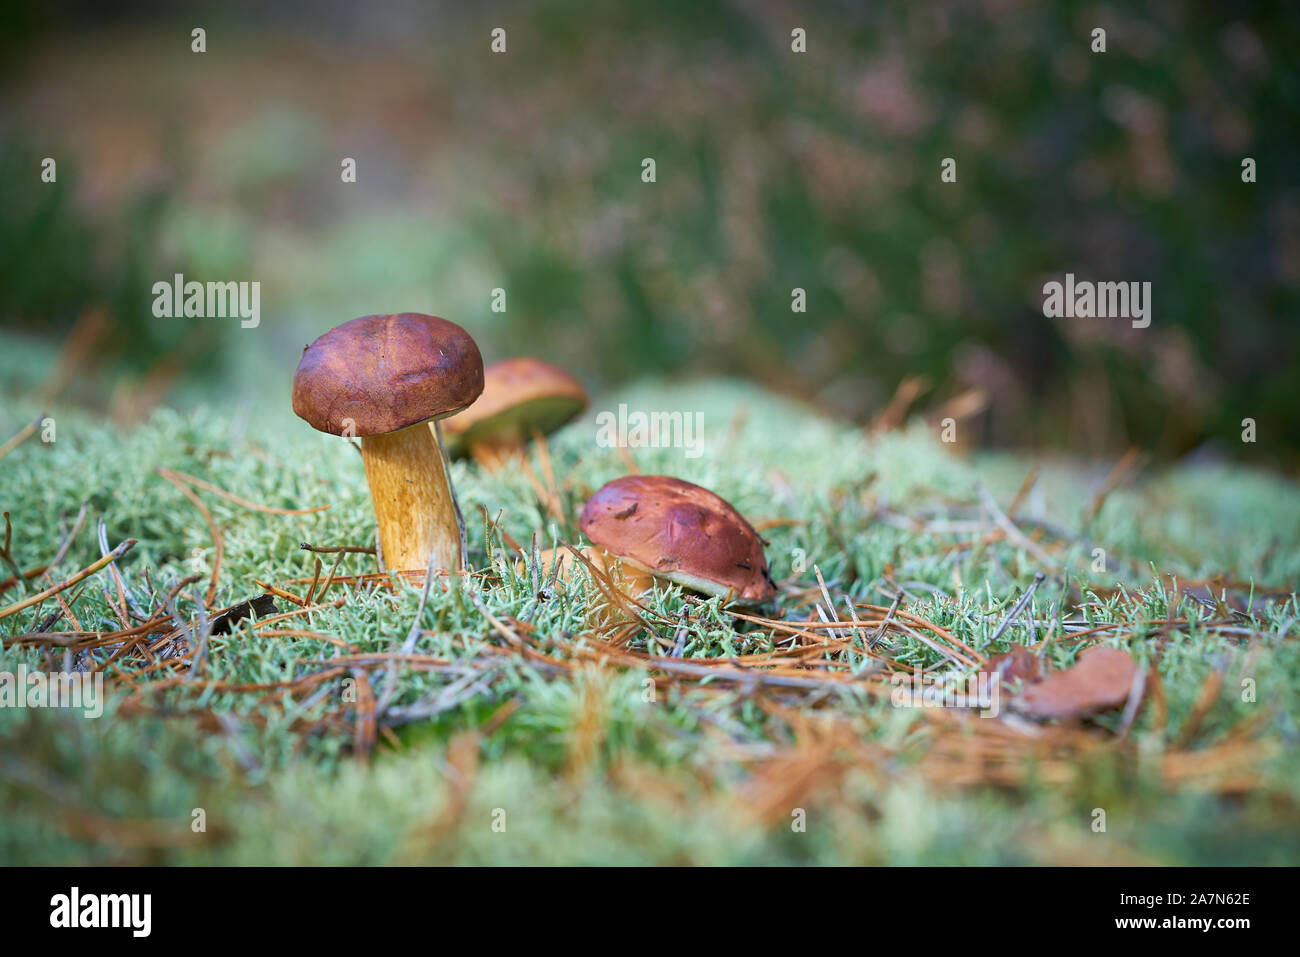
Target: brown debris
224, 623
1102, 678
1018, 664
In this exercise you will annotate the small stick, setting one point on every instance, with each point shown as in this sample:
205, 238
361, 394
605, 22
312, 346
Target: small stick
951, 656
605, 583
86, 332
329, 579
280, 592
629, 462
544, 457
750, 676
1112, 482
1134, 699
1056, 617
679, 643
62, 553
284, 615
315, 580
218, 540
1204, 702
884, 622
537, 574
66, 608
85, 573
500, 628
408, 646
337, 549
536, 598
853, 615
7, 555
830, 632
1014, 534
546, 496
1025, 486
199, 653
1020, 606
126, 603
231, 497
304, 633
27, 576
25, 433
830, 605
492, 526
555, 570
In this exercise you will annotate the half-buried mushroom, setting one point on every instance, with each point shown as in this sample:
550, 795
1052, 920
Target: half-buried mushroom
679, 532
520, 396
382, 378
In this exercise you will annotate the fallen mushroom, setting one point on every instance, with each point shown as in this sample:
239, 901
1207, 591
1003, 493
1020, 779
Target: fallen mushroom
382, 378
681, 533
520, 396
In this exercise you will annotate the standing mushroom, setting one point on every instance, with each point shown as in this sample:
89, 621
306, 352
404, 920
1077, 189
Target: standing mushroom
520, 396
382, 378
680, 532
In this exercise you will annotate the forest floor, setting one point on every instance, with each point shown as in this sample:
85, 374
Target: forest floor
497, 719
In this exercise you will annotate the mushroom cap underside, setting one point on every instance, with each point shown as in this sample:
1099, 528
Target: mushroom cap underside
520, 395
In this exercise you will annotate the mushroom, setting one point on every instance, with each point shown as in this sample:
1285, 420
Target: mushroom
679, 532
382, 378
520, 396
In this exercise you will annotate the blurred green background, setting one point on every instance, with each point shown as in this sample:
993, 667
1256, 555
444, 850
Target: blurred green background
775, 170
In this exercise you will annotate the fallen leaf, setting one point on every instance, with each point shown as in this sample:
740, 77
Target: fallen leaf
1101, 678
1018, 664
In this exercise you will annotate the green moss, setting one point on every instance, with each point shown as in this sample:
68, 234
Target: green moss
271, 794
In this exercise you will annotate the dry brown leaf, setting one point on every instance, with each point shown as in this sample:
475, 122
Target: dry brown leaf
1019, 663
1101, 678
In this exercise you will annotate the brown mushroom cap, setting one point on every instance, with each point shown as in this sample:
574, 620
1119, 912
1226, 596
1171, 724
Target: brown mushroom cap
680, 532
385, 373
519, 395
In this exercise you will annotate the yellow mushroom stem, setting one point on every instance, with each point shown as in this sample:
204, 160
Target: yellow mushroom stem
414, 507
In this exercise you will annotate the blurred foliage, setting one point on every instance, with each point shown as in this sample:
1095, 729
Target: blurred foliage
56, 264
775, 170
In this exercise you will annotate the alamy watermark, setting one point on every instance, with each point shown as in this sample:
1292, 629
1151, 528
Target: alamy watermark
1101, 300
24, 688
981, 690
213, 300
129, 911
654, 430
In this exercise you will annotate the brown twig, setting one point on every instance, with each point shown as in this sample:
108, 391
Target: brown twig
337, 549
25, 433
1112, 482
85, 573
217, 539
231, 497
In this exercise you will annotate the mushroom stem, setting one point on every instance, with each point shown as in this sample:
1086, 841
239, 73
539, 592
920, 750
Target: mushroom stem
414, 507
492, 457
